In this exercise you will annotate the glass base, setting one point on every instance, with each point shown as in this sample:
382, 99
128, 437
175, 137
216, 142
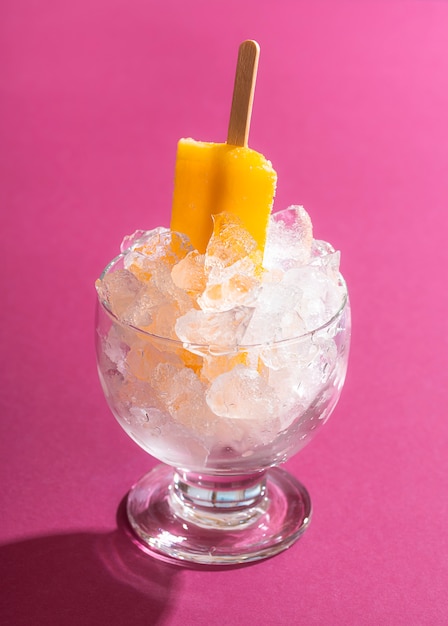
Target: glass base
217, 520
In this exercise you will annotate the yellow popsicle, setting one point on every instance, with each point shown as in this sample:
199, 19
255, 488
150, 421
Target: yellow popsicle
214, 177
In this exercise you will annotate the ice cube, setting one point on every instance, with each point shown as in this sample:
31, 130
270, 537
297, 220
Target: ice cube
115, 348
325, 256
158, 304
298, 373
289, 239
320, 296
145, 355
224, 329
275, 316
213, 365
229, 242
227, 287
242, 394
183, 395
308, 362
162, 280
159, 247
189, 274
137, 237
119, 290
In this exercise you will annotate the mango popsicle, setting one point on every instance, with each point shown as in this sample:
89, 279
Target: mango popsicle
211, 178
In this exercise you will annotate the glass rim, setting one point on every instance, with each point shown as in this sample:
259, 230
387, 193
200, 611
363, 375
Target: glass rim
216, 348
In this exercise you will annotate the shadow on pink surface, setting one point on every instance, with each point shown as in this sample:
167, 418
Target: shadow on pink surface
83, 578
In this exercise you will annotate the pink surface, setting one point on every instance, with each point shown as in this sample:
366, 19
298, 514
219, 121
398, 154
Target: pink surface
351, 107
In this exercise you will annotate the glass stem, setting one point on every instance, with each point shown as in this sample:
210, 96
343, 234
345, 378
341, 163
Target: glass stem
218, 501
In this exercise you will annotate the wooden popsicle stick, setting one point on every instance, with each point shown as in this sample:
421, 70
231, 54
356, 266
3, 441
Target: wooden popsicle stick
243, 93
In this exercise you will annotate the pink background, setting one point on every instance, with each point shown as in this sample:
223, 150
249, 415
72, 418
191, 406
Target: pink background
352, 108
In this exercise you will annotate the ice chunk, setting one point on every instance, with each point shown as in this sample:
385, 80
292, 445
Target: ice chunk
213, 365
275, 317
295, 354
120, 290
321, 249
224, 329
137, 237
242, 394
183, 396
300, 367
320, 297
144, 356
298, 372
156, 301
229, 242
141, 304
325, 256
289, 239
115, 349
162, 280
157, 249
227, 287
189, 273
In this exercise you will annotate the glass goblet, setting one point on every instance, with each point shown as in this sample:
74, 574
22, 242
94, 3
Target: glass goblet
221, 421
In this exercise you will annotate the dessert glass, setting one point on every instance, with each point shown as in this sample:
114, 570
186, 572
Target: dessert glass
219, 497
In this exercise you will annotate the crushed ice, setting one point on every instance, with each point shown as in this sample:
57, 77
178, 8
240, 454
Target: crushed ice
214, 303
